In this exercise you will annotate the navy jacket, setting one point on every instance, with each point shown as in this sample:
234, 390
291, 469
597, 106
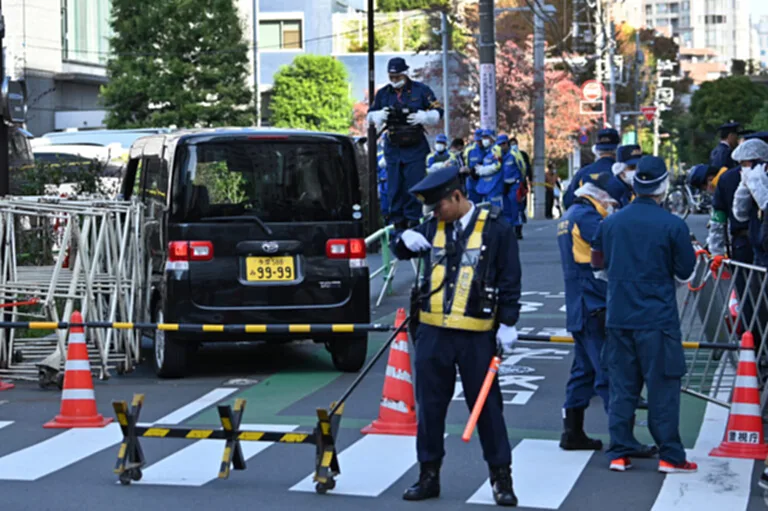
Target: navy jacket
584, 293
501, 254
721, 157
723, 198
645, 248
599, 166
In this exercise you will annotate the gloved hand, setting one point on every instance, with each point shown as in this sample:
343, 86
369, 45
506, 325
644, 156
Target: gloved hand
506, 337
378, 117
424, 117
486, 170
415, 241
435, 167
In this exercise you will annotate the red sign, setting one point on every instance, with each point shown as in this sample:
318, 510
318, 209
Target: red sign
649, 112
592, 90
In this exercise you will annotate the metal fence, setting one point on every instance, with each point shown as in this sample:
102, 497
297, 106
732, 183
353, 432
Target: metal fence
717, 306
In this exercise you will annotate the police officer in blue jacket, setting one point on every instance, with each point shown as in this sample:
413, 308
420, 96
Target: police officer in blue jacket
467, 314
627, 157
513, 174
441, 156
729, 137
381, 163
405, 106
474, 156
644, 251
605, 150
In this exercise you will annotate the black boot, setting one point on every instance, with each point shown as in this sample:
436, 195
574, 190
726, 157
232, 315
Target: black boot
574, 438
428, 485
519, 231
501, 484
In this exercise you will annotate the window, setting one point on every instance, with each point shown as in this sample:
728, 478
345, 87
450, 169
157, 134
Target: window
291, 181
674, 8
86, 31
280, 35
156, 180
648, 10
661, 8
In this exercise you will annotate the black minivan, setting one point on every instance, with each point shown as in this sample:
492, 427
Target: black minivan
251, 226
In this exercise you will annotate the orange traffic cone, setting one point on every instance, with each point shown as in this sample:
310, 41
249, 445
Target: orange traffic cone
397, 412
744, 433
78, 400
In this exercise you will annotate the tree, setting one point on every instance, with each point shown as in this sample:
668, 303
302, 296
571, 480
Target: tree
410, 5
731, 98
312, 93
177, 62
760, 120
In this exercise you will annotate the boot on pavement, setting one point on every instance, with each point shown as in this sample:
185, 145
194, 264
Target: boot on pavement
501, 484
574, 438
428, 485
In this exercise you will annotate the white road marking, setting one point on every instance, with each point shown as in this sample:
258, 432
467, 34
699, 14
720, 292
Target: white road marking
76, 444
720, 483
5, 423
198, 464
370, 465
543, 474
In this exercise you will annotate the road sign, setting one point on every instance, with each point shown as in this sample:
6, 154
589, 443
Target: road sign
583, 139
665, 95
592, 90
649, 112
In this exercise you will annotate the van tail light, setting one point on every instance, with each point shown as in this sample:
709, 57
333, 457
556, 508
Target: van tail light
190, 251
345, 248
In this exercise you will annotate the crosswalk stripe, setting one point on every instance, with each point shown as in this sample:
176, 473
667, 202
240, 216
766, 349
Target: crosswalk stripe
720, 483
543, 474
67, 448
199, 463
5, 423
370, 465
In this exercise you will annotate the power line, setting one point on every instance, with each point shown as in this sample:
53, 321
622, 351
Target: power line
251, 47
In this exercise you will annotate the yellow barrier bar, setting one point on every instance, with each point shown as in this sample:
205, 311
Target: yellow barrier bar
255, 329
122, 326
299, 329
43, 325
213, 328
168, 327
343, 328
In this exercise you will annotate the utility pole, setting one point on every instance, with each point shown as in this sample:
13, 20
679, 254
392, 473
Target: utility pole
4, 172
487, 65
612, 74
538, 106
256, 62
373, 206
446, 100
636, 86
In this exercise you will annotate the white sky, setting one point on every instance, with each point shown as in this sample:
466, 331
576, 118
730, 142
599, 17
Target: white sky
759, 7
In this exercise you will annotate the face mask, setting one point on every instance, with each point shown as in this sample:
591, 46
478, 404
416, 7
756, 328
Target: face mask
513, 147
628, 176
397, 85
486, 143
439, 148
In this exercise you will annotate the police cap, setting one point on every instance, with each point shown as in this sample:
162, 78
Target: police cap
651, 172
607, 140
478, 134
441, 139
728, 128
502, 139
629, 154
761, 135
488, 133
437, 185
396, 66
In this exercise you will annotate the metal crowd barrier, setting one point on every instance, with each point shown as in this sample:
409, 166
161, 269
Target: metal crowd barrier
717, 307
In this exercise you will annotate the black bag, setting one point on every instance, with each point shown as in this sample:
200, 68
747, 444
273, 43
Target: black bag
402, 134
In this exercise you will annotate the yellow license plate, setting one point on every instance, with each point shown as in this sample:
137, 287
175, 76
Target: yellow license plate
269, 269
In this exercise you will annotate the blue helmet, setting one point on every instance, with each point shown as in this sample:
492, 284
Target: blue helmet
502, 139
488, 133
441, 139
478, 134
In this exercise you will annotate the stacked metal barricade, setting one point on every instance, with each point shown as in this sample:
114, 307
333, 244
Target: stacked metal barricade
85, 254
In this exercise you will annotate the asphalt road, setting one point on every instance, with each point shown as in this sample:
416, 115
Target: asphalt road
43, 469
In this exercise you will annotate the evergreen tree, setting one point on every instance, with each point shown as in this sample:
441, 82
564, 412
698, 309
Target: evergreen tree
312, 93
177, 62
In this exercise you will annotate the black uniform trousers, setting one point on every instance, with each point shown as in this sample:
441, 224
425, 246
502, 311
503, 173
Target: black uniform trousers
438, 352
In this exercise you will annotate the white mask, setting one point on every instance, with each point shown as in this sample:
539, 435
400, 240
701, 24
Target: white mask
513, 147
486, 143
397, 85
439, 148
628, 176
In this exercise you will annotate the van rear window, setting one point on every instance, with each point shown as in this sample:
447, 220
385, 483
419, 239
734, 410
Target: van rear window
274, 180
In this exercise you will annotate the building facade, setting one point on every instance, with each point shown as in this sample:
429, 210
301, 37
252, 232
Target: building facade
60, 47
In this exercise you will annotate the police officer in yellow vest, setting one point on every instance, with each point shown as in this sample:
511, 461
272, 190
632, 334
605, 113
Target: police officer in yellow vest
467, 314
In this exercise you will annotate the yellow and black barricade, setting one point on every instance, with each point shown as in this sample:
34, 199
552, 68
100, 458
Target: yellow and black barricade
320, 328
130, 458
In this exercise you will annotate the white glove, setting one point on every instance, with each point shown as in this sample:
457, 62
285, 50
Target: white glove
486, 170
378, 117
415, 241
435, 167
757, 181
506, 337
424, 117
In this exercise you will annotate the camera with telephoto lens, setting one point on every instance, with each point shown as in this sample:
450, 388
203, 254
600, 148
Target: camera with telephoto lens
401, 133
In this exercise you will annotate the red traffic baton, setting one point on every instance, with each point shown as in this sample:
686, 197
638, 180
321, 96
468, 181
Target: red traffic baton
493, 369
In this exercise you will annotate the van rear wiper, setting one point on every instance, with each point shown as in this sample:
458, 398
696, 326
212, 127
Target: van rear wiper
237, 218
